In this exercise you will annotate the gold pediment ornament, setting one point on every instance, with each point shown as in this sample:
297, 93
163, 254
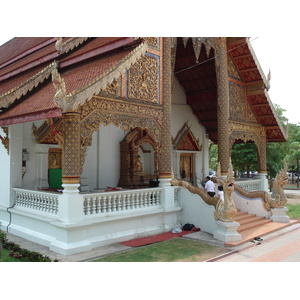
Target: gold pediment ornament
5, 140
70, 102
185, 140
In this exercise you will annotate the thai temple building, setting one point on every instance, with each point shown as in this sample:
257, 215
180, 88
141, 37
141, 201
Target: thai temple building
107, 139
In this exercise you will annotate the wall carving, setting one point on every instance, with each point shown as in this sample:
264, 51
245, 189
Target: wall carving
131, 172
54, 158
237, 110
251, 115
232, 70
143, 79
50, 132
250, 132
153, 42
5, 139
185, 140
124, 115
113, 89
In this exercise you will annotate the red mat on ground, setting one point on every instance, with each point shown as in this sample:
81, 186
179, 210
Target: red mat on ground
157, 238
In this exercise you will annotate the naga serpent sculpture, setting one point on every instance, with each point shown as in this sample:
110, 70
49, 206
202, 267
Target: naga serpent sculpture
226, 210
280, 198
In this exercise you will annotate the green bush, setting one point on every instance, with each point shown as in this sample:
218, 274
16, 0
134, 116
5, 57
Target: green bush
18, 252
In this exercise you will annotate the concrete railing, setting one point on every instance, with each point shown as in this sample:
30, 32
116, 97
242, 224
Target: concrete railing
251, 185
107, 202
38, 201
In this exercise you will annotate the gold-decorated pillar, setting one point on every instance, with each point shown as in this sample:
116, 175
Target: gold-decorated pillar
262, 156
165, 161
71, 149
223, 105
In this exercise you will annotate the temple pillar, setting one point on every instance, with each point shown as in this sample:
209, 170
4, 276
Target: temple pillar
262, 164
223, 105
165, 161
71, 202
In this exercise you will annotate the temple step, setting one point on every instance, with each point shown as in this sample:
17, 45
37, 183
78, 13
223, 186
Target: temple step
248, 221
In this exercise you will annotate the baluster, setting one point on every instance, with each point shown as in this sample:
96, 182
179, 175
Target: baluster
104, 201
142, 199
113, 203
129, 201
93, 205
137, 200
154, 198
97, 201
50, 204
21, 198
109, 203
132, 201
118, 204
124, 207
158, 197
45, 203
85, 206
147, 199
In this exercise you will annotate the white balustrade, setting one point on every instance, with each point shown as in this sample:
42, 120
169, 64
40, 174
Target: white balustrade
250, 185
109, 202
38, 201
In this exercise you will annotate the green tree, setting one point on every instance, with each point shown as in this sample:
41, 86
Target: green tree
244, 157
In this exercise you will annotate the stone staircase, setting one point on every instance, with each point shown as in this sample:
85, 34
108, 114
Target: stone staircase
248, 221
252, 226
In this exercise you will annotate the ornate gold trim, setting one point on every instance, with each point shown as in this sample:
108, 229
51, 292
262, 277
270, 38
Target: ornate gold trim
70, 44
73, 100
5, 140
182, 135
26, 86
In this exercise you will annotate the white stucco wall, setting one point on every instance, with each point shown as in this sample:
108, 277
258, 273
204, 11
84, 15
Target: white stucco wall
182, 113
103, 169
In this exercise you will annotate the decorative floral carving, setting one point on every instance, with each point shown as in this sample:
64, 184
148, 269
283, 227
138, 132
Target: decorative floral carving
114, 88
185, 140
237, 102
153, 42
143, 79
232, 70
5, 140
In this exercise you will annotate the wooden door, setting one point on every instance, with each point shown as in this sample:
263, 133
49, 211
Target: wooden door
186, 166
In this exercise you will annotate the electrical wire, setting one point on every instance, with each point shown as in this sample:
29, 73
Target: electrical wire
209, 59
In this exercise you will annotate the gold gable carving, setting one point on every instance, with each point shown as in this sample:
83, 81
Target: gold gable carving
48, 133
185, 140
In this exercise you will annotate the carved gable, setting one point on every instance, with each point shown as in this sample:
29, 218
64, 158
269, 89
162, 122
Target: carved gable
185, 140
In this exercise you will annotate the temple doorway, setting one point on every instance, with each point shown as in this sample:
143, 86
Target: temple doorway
186, 166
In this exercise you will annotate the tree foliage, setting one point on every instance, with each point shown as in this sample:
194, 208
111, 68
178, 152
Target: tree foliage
245, 157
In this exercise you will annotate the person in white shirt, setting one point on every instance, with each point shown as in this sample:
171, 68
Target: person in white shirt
209, 187
221, 192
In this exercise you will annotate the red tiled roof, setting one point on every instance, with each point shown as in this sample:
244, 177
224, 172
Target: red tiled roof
33, 108
38, 101
9, 84
77, 78
18, 46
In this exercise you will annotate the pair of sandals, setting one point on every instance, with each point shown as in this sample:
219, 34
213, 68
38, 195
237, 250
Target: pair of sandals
258, 239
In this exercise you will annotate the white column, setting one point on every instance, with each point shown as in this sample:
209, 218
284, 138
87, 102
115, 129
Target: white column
11, 165
4, 174
42, 152
70, 204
